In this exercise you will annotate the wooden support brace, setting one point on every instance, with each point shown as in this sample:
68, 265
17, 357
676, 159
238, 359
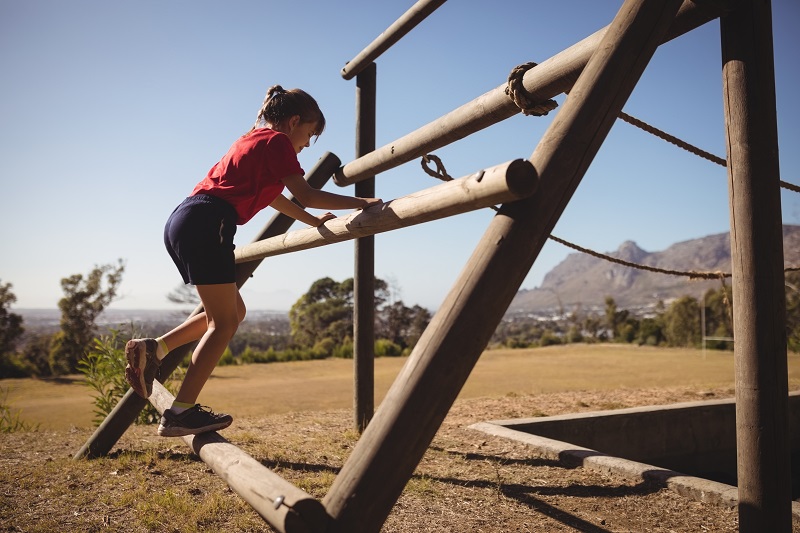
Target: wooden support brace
284, 506
503, 183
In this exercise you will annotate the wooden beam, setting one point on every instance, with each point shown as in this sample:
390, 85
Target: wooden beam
404, 425
502, 183
284, 506
759, 305
550, 78
364, 268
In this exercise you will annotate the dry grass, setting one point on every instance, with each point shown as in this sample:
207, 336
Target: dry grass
466, 481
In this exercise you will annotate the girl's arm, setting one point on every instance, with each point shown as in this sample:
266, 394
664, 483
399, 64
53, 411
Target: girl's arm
291, 209
311, 197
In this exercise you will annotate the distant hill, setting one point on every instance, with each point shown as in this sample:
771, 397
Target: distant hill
585, 280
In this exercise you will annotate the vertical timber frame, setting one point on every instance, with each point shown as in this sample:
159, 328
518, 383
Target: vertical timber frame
385, 457
364, 275
759, 304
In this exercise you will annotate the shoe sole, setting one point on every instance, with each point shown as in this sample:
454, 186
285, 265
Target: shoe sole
133, 372
182, 432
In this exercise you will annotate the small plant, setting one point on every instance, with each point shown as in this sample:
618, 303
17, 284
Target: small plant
104, 368
9, 418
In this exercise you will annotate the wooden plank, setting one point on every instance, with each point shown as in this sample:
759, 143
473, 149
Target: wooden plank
502, 183
550, 78
284, 506
759, 305
385, 457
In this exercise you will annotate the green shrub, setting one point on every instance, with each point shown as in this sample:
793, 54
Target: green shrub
387, 348
227, 358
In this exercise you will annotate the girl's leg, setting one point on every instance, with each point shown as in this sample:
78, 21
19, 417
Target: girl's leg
224, 309
195, 327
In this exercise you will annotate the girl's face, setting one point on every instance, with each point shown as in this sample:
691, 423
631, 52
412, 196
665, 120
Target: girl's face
300, 133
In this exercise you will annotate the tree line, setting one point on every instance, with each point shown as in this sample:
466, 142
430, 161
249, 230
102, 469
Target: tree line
320, 325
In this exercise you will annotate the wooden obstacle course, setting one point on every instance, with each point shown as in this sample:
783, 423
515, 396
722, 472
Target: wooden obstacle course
599, 72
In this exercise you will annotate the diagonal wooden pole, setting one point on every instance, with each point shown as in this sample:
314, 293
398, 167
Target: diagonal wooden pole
127, 410
385, 457
759, 305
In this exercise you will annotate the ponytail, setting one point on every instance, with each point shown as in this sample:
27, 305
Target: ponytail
280, 105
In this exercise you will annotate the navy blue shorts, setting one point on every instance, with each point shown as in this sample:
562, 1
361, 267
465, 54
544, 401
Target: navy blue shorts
199, 238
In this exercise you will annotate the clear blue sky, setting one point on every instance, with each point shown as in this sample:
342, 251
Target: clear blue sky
110, 112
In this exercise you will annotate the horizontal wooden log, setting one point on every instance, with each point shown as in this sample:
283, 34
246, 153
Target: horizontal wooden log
503, 183
550, 78
284, 506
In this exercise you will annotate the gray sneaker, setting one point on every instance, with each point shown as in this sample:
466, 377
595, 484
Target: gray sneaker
193, 421
142, 365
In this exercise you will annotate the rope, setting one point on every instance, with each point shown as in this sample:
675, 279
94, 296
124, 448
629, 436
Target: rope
671, 139
520, 95
440, 172
686, 146
691, 274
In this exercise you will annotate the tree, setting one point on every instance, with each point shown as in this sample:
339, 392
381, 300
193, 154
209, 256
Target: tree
402, 325
184, 294
682, 322
10, 323
323, 314
323, 317
84, 299
10, 331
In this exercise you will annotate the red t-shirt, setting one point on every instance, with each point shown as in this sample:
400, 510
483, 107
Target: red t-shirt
249, 176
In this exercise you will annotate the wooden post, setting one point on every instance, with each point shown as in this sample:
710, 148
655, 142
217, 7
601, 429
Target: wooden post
284, 506
383, 460
548, 79
759, 304
127, 410
503, 183
364, 276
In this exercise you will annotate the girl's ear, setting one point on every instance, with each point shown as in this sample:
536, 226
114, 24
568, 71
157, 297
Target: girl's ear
293, 122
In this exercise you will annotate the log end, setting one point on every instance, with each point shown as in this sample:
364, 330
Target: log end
522, 178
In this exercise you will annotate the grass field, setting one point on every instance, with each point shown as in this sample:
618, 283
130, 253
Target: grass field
255, 390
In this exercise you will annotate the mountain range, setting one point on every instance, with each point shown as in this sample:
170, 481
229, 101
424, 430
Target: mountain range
583, 280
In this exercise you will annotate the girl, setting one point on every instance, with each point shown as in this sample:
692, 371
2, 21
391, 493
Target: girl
199, 238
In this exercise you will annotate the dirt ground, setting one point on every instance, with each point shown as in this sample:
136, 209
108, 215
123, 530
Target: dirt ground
466, 482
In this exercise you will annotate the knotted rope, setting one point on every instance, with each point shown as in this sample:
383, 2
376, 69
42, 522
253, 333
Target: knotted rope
520, 95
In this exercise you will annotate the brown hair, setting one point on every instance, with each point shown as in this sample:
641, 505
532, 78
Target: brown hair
280, 105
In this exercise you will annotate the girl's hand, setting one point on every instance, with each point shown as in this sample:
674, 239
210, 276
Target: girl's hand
324, 217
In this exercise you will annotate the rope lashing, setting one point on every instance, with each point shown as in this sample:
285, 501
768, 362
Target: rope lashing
520, 95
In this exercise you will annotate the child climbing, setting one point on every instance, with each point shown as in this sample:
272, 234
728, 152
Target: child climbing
199, 238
